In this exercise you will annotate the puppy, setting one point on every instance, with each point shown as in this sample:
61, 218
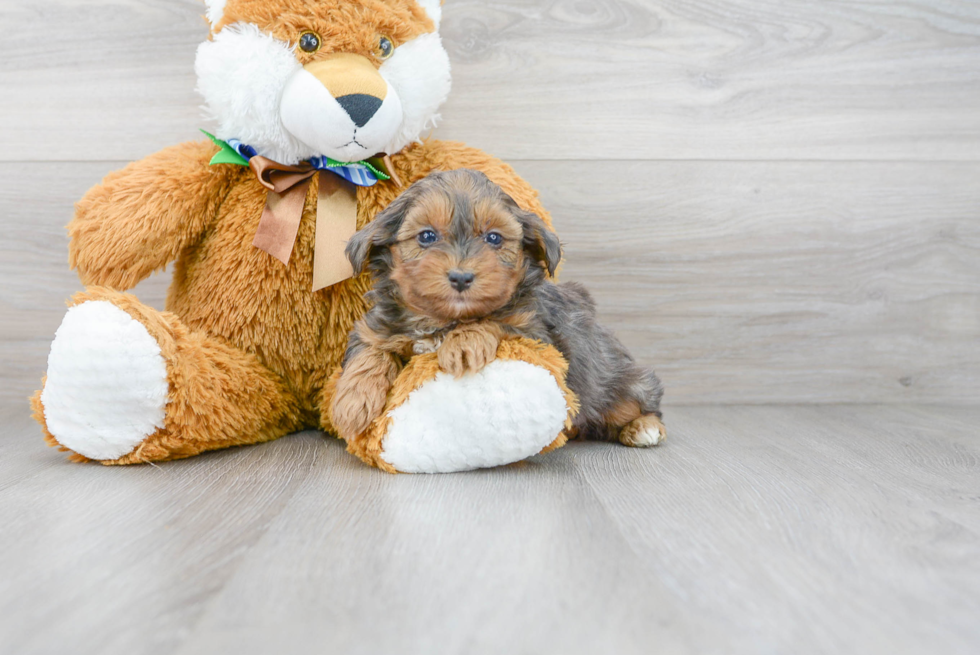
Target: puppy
458, 267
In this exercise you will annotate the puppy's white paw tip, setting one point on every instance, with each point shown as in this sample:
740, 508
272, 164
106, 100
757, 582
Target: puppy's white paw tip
644, 433
648, 437
107, 387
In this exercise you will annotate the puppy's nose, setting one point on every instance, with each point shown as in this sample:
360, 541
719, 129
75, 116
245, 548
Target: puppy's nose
461, 280
360, 107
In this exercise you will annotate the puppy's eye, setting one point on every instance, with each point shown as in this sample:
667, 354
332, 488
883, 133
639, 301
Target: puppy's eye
310, 42
385, 48
428, 237
494, 239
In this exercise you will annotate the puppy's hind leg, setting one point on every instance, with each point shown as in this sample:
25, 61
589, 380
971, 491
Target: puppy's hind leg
640, 418
643, 432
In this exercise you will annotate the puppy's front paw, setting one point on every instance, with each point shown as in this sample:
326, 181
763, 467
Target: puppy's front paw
362, 392
354, 409
426, 346
468, 349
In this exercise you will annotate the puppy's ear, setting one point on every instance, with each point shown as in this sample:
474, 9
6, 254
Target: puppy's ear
382, 232
540, 241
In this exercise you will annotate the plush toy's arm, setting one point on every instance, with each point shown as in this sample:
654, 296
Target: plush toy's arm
141, 218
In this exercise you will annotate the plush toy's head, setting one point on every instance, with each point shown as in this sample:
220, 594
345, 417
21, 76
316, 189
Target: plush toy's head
345, 79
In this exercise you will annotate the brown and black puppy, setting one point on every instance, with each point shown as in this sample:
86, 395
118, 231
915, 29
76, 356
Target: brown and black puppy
458, 267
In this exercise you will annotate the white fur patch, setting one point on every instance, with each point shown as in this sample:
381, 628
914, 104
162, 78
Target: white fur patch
313, 116
107, 386
242, 74
507, 412
420, 73
434, 9
216, 10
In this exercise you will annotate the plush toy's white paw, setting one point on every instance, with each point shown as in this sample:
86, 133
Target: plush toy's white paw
509, 411
107, 386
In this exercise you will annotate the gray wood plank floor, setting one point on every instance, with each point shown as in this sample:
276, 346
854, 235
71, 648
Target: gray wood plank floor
754, 529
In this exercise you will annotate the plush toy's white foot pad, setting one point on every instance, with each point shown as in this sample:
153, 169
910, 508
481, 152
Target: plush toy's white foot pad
107, 386
509, 411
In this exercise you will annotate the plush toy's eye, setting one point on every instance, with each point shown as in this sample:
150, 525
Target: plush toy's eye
428, 237
310, 42
494, 239
385, 48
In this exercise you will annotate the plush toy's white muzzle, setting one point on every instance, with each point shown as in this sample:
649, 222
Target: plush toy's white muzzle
341, 107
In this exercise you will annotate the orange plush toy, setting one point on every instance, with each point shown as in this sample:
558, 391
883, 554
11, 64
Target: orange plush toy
320, 107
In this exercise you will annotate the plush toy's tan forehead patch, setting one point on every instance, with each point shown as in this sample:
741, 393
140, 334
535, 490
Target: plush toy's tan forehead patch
345, 74
343, 25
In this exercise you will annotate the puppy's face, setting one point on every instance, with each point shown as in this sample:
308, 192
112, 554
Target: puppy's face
456, 246
458, 253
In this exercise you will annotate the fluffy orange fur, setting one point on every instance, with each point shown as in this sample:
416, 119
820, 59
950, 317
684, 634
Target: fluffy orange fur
248, 347
343, 26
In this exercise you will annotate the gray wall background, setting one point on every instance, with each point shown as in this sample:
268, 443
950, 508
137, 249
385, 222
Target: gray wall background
773, 201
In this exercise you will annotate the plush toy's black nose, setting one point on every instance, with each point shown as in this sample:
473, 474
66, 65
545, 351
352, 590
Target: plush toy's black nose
360, 107
461, 281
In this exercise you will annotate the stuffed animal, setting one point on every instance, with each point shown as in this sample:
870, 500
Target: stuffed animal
320, 110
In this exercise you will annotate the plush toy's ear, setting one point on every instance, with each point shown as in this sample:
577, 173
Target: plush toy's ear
382, 232
434, 9
215, 10
539, 241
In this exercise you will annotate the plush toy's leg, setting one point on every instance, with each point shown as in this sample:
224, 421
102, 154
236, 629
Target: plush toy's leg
128, 384
516, 407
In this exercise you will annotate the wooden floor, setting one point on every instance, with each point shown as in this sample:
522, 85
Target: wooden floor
841, 529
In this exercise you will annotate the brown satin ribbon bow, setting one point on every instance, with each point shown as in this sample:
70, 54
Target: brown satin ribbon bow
336, 217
